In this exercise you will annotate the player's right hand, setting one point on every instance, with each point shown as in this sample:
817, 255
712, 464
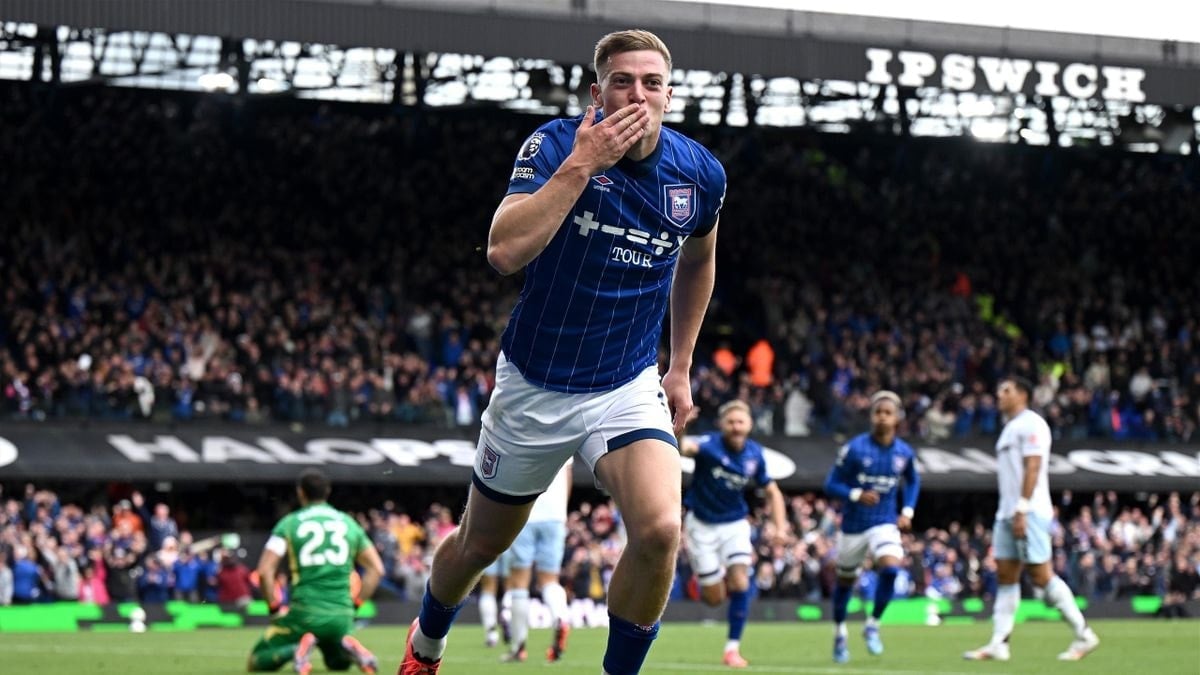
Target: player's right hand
869, 497
603, 144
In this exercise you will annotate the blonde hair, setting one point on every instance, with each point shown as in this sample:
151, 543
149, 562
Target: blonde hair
622, 41
735, 404
891, 396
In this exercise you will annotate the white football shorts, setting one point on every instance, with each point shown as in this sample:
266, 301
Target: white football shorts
879, 541
529, 432
712, 547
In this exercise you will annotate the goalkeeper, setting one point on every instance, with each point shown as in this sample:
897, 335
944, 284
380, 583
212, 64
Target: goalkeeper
322, 546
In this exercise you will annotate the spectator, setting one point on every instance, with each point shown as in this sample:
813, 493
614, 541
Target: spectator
233, 580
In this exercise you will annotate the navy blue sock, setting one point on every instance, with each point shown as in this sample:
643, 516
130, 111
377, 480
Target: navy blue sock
885, 590
628, 644
739, 607
841, 600
436, 617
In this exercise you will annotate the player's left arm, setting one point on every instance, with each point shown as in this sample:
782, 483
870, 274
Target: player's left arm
268, 566
1035, 448
909, 493
690, 294
778, 512
1032, 465
372, 569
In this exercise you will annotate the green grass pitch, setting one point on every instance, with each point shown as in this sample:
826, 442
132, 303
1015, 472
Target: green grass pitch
1139, 647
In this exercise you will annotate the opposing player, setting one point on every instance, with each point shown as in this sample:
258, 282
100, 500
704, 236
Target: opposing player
541, 542
718, 534
322, 546
612, 217
1021, 534
867, 478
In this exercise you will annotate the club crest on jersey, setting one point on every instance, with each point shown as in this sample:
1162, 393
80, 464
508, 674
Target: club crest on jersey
679, 203
751, 467
898, 464
490, 463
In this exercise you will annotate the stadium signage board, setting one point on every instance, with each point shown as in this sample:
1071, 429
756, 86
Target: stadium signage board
1003, 75
438, 456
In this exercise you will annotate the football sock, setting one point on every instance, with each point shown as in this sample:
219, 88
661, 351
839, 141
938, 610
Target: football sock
1004, 611
519, 624
739, 606
555, 597
841, 600
429, 640
884, 590
1059, 596
488, 610
628, 644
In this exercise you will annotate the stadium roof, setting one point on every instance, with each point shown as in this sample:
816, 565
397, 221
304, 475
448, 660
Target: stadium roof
715, 37
735, 65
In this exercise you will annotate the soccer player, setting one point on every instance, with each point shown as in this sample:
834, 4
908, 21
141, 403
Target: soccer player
718, 534
866, 477
612, 217
1021, 534
542, 541
322, 546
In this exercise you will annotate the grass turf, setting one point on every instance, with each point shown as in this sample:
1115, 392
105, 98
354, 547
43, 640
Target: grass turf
1138, 646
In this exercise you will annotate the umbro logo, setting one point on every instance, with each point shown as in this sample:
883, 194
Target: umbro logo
602, 182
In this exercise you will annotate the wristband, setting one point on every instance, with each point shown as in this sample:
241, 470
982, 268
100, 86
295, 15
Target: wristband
907, 512
1023, 505
855, 494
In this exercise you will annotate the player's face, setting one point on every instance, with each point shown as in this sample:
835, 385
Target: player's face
1008, 397
635, 77
885, 418
735, 428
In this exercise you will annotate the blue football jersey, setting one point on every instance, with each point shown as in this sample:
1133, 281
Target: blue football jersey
590, 314
717, 491
864, 464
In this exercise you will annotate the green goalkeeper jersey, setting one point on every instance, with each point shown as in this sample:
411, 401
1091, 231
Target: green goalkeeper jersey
322, 545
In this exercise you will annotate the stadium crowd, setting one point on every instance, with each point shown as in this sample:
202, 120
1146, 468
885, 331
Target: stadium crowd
1107, 546
173, 257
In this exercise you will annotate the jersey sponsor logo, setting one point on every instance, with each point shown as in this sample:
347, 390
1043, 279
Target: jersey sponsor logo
490, 463
731, 480
880, 484
531, 147
522, 173
662, 244
679, 202
629, 257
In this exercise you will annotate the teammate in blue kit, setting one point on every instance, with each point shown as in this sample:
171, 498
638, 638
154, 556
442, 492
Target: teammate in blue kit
612, 217
866, 478
718, 534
